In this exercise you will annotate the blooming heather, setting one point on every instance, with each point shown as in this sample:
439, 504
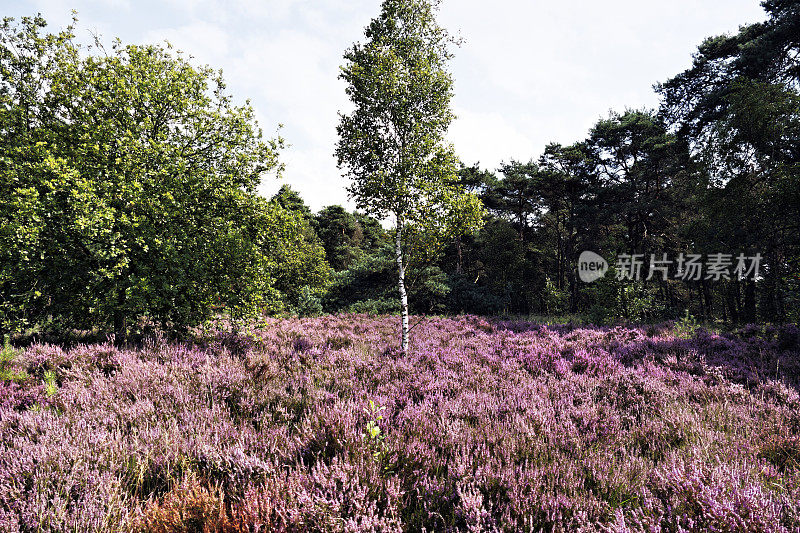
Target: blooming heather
486, 426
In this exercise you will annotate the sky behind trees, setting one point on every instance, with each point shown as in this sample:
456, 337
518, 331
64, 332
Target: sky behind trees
528, 72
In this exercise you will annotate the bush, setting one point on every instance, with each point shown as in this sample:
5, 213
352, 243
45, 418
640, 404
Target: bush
471, 298
309, 302
370, 286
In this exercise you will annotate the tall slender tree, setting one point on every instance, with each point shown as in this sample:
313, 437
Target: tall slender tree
392, 145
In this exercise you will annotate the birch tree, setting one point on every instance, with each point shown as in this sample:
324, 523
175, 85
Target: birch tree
392, 145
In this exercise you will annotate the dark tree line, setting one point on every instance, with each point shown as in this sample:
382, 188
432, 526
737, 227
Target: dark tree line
714, 170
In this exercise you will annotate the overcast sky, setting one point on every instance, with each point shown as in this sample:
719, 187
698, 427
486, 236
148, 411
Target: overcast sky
528, 73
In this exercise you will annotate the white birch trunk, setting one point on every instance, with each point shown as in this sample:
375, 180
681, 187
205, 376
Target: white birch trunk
401, 285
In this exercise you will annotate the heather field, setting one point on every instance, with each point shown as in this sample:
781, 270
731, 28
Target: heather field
321, 425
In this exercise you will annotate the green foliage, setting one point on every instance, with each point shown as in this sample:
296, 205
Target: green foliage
466, 296
370, 279
637, 302
289, 199
505, 264
635, 158
51, 387
515, 195
346, 237
369, 286
373, 437
393, 145
739, 106
428, 287
309, 302
555, 299
7, 370
613, 300
295, 259
686, 326
399, 161
793, 299
128, 180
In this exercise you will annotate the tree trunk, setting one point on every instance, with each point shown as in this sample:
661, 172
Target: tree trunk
733, 301
401, 285
459, 264
750, 301
709, 311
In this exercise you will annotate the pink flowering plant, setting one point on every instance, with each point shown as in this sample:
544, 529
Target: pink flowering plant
485, 425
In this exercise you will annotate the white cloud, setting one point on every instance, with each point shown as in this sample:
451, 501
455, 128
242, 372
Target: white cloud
546, 71
314, 175
207, 43
489, 138
529, 72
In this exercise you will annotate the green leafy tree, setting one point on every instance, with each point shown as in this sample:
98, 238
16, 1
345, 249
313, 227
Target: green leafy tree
635, 160
370, 285
738, 106
128, 182
291, 200
506, 267
294, 255
568, 189
346, 236
514, 196
392, 144
476, 181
